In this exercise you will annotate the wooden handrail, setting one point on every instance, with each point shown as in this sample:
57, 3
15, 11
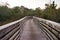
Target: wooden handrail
12, 30
49, 26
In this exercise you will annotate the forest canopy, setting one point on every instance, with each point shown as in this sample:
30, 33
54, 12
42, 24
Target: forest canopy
11, 14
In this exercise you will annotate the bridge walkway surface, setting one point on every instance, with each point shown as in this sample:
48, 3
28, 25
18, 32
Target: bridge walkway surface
31, 31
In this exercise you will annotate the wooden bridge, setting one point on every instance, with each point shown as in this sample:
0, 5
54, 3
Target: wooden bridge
30, 28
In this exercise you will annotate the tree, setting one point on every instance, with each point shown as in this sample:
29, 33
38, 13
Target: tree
38, 12
50, 11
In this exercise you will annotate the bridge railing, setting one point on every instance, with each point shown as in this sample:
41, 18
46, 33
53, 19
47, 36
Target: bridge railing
12, 30
50, 28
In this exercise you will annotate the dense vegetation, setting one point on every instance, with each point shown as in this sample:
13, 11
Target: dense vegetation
11, 14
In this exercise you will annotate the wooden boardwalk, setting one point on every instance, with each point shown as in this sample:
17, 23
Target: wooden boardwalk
29, 28
32, 32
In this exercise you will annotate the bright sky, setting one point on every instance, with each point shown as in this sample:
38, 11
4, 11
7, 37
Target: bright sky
29, 3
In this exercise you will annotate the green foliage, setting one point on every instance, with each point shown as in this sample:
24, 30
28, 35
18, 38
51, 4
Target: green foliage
11, 14
50, 12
